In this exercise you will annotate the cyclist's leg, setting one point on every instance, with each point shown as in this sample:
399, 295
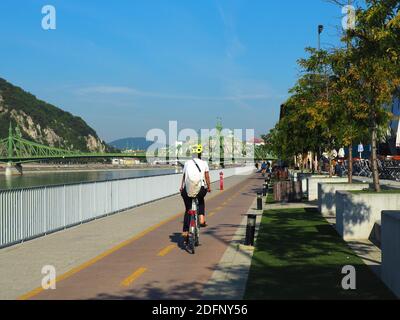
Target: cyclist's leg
202, 205
188, 206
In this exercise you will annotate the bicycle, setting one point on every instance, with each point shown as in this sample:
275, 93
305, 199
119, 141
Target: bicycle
194, 228
263, 172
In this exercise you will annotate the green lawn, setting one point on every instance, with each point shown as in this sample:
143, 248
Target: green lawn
299, 255
384, 190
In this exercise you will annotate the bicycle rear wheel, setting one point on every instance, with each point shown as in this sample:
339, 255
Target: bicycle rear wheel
192, 244
196, 240
197, 233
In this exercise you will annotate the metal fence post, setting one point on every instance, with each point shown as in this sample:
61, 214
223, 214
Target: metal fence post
45, 211
80, 203
65, 209
21, 216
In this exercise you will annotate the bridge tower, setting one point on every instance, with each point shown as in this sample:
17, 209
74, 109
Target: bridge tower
12, 168
10, 142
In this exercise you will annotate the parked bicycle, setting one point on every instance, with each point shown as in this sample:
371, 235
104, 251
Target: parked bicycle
388, 169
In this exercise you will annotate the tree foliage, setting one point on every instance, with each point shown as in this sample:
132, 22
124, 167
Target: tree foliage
342, 95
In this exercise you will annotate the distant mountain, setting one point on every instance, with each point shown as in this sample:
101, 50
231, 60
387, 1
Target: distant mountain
44, 123
138, 143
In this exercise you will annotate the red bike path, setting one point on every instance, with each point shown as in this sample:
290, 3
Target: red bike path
153, 264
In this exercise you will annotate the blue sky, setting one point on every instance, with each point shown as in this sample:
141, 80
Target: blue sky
128, 66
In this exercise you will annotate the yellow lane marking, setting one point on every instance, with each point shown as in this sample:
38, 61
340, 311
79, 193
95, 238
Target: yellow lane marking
31, 294
92, 261
128, 281
211, 214
100, 257
166, 250
218, 208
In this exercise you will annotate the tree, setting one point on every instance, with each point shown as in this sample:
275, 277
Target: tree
343, 95
351, 113
318, 89
310, 119
375, 56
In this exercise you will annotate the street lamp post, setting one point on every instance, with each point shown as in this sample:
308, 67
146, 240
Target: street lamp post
221, 142
320, 29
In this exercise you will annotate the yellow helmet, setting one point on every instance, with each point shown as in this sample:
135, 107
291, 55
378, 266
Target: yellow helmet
197, 148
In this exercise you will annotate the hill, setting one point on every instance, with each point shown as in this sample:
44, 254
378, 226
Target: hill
44, 123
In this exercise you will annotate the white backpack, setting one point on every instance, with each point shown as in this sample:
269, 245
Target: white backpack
194, 181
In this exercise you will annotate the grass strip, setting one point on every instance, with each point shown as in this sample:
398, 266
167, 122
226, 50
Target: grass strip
298, 255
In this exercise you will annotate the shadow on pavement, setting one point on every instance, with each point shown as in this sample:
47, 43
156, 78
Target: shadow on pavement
223, 289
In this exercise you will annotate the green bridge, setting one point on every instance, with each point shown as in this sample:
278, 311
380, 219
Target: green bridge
16, 149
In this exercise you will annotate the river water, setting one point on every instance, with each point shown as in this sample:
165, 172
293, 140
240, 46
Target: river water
34, 179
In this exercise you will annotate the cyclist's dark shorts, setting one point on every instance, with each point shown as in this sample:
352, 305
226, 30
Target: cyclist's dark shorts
188, 206
200, 197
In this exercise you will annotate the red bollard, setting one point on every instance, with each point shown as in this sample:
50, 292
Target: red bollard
221, 181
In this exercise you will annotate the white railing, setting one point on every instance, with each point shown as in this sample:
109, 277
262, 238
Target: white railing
33, 212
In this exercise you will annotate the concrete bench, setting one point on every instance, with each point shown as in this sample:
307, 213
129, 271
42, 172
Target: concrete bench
312, 185
327, 195
357, 213
391, 250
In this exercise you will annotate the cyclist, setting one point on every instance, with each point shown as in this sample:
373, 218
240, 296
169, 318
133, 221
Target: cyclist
263, 168
195, 169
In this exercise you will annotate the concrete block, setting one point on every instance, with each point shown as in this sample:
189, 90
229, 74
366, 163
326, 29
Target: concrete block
357, 213
327, 195
303, 178
391, 250
312, 185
